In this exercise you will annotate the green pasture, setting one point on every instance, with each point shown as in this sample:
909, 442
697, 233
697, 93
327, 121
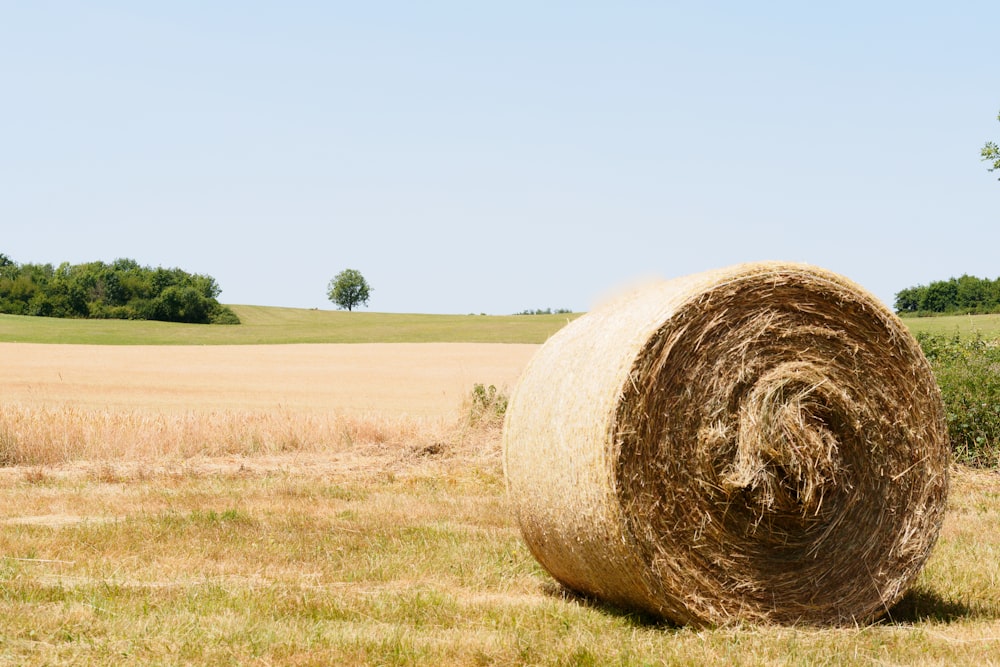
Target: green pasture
270, 325
988, 326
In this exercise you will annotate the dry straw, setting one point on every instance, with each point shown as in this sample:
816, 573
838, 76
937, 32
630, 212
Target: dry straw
759, 443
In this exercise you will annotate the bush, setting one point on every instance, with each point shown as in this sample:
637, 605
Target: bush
488, 406
223, 315
968, 373
121, 290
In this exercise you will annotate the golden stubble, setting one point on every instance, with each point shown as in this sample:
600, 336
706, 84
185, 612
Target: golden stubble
405, 379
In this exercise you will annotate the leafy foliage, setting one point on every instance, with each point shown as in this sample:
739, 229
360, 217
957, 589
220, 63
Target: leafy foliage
991, 153
967, 294
488, 405
968, 373
349, 289
120, 290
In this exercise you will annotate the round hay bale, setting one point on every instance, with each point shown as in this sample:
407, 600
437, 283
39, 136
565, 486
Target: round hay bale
763, 443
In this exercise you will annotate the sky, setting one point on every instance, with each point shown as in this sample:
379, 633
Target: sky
492, 157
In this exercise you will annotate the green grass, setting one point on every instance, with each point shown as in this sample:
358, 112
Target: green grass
988, 326
269, 325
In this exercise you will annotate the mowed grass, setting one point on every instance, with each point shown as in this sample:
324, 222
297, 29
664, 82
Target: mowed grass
405, 558
270, 325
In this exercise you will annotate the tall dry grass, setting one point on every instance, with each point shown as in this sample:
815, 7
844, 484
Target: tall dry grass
32, 435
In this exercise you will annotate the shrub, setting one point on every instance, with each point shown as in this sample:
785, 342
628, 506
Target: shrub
968, 373
122, 290
223, 315
488, 405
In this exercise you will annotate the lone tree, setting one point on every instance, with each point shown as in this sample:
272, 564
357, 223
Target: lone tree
991, 153
349, 289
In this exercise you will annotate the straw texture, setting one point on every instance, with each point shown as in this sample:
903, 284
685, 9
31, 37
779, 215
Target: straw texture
763, 443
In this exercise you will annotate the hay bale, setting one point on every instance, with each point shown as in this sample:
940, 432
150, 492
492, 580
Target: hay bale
762, 443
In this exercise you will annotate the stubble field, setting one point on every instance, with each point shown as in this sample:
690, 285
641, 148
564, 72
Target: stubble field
344, 504
401, 379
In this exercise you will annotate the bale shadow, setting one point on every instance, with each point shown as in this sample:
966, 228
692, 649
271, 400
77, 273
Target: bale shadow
919, 605
916, 606
633, 617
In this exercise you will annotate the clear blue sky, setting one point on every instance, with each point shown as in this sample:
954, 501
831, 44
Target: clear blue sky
491, 157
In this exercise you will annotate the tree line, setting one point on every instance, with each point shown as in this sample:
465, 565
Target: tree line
546, 311
967, 294
120, 290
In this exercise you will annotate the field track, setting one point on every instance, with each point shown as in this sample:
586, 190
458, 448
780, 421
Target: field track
414, 379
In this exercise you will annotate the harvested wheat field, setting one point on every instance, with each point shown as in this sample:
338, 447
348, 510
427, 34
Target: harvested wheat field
419, 379
64, 403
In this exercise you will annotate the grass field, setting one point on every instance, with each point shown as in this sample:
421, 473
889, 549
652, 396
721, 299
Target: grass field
267, 325
988, 326
167, 523
400, 552
270, 325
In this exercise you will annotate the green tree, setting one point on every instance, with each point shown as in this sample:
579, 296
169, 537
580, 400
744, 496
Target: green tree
991, 153
908, 300
940, 296
120, 290
971, 294
349, 289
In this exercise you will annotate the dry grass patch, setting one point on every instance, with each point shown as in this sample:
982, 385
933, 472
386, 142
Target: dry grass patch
366, 541
384, 555
32, 435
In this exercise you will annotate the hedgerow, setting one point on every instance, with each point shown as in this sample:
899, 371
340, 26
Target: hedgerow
120, 290
968, 372
967, 294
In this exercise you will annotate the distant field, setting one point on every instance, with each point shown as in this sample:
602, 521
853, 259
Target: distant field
395, 379
269, 325
264, 325
966, 325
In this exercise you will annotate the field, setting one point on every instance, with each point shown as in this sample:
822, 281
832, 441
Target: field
988, 326
265, 325
344, 504
394, 379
